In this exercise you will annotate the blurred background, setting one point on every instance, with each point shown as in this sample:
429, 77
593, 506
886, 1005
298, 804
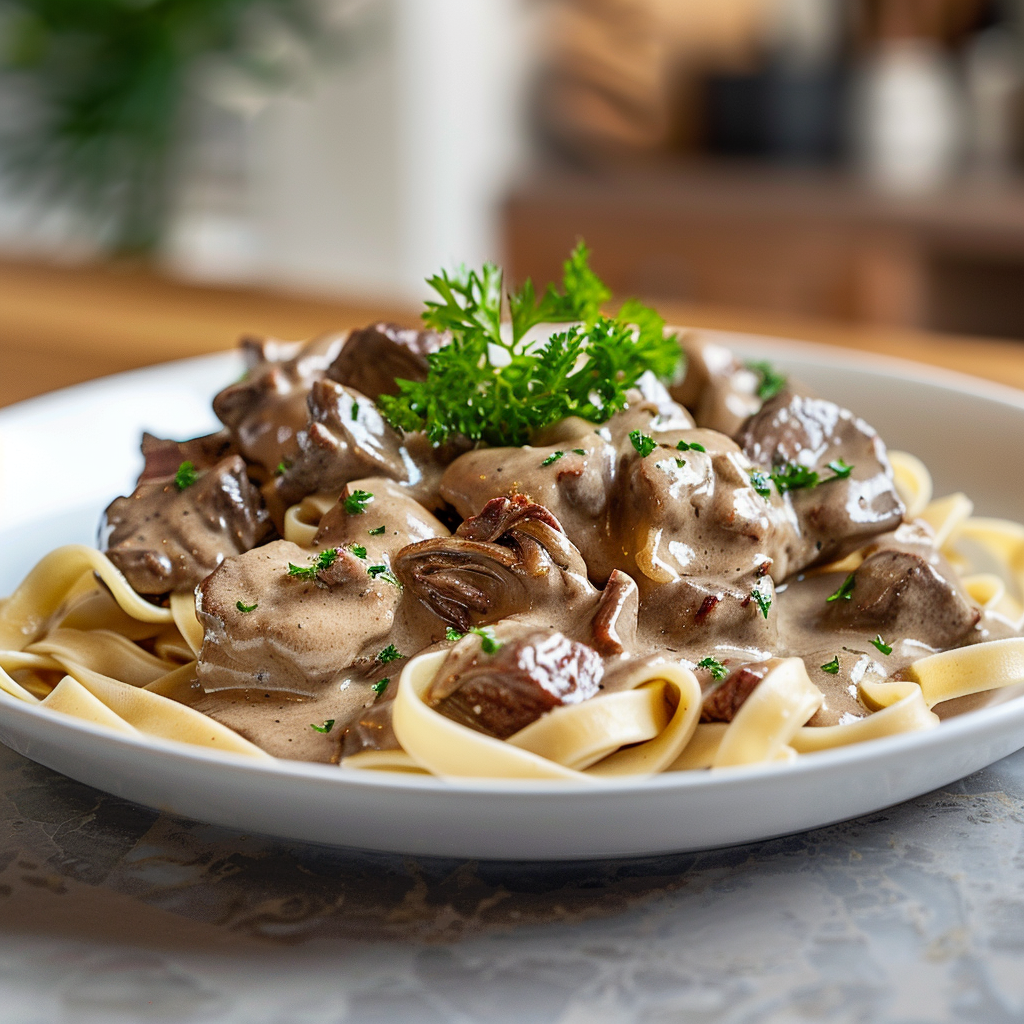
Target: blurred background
173, 172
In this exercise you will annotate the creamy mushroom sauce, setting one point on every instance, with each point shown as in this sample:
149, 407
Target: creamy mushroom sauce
576, 559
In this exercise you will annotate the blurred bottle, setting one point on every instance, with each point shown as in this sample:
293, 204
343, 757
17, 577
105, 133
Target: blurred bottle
910, 106
805, 80
994, 86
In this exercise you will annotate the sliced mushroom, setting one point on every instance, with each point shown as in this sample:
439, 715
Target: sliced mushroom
166, 538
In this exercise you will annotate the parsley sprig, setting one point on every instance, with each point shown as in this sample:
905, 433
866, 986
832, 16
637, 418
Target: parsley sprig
492, 385
771, 383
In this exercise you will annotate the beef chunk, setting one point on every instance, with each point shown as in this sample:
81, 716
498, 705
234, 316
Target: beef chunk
838, 515
903, 594
302, 632
267, 407
503, 692
375, 357
719, 391
165, 539
723, 701
164, 457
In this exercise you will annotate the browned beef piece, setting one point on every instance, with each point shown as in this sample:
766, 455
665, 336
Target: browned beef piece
722, 703
838, 515
165, 539
903, 594
501, 693
267, 407
375, 357
164, 457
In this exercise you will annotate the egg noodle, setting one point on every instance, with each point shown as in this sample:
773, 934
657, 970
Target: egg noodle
71, 641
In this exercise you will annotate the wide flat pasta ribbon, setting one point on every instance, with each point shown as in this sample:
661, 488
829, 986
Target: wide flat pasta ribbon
967, 670
26, 613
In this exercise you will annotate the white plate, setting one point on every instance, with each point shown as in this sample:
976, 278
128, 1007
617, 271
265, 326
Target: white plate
63, 456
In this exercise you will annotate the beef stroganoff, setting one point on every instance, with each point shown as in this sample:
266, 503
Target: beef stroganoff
528, 541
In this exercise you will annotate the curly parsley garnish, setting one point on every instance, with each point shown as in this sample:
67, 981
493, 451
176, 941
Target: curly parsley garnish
553, 457
356, 502
282, 467
881, 644
325, 728
390, 653
246, 608
715, 667
845, 591
642, 443
584, 370
186, 475
841, 468
358, 550
377, 531
690, 446
384, 573
380, 686
324, 560
762, 599
772, 382
831, 667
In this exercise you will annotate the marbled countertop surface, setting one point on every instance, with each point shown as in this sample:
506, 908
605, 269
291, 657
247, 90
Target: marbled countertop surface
112, 913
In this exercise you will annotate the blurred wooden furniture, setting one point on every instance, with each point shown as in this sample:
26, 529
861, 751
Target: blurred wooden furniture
808, 242
59, 326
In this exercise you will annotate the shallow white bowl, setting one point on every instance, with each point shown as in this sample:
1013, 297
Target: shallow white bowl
65, 455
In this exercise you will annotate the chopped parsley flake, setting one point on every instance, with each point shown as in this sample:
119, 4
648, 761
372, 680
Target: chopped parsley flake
390, 653
715, 667
642, 443
356, 502
488, 641
246, 608
553, 457
384, 573
881, 644
355, 410
320, 562
772, 382
845, 591
680, 463
325, 728
793, 477
282, 467
841, 468
377, 531
759, 481
381, 685
358, 550
186, 475
831, 667
580, 451
761, 599
688, 446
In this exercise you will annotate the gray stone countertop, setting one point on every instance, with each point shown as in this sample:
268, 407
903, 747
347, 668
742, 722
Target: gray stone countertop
113, 913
